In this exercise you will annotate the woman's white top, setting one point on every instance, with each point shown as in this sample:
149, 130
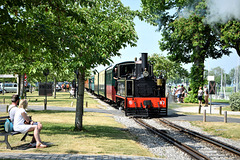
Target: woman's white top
19, 125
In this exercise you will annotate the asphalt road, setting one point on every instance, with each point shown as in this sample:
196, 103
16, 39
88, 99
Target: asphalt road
105, 108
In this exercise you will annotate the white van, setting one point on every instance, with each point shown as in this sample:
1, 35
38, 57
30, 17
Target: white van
9, 87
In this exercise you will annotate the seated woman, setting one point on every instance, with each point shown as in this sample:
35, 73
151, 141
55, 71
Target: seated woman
23, 124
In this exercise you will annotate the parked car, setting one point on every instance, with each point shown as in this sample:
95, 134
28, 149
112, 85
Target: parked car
9, 87
58, 88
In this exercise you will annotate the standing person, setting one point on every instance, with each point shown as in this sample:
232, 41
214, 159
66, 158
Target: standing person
24, 124
206, 95
179, 93
184, 91
174, 93
200, 94
13, 107
115, 76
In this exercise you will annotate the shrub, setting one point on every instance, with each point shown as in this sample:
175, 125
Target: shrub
235, 101
191, 98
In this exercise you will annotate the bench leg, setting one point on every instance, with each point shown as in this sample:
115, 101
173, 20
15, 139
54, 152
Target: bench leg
7, 143
24, 137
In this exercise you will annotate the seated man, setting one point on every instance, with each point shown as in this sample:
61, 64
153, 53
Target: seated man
13, 107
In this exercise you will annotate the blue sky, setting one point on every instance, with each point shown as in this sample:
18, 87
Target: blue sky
148, 42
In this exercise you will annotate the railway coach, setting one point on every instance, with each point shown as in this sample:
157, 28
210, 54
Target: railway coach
133, 87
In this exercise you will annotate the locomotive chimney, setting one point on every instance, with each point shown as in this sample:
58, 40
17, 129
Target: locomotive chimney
144, 61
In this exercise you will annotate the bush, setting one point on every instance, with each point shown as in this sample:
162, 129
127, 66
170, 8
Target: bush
191, 98
235, 101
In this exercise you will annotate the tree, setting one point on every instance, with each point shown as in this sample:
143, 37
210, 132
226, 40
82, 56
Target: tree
169, 69
187, 39
109, 27
230, 34
32, 36
66, 35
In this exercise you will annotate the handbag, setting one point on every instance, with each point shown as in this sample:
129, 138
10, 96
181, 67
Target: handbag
8, 126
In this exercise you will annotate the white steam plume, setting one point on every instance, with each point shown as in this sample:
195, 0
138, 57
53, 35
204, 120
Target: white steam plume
221, 11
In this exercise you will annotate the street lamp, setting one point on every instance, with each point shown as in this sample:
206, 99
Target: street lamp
46, 73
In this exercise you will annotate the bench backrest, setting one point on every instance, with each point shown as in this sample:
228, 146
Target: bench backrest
2, 121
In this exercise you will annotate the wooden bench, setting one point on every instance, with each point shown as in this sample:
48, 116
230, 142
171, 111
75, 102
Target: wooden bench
6, 134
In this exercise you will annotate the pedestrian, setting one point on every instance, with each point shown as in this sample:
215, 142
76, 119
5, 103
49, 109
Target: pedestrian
24, 124
206, 95
200, 94
115, 77
13, 107
179, 93
183, 93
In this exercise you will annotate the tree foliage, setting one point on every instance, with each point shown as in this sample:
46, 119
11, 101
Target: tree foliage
185, 36
230, 34
64, 36
163, 66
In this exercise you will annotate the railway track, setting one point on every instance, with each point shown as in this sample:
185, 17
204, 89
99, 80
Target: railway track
190, 151
222, 145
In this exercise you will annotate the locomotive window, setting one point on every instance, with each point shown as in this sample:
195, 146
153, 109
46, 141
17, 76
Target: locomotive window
130, 87
126, 70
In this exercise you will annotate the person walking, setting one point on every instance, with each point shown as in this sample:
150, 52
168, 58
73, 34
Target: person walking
200, 94
206, 95
179, 93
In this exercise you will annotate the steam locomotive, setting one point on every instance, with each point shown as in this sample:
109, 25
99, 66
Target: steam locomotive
132, 87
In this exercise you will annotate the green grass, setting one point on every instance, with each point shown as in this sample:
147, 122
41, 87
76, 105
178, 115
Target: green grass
226, 130
219, 100
101, 134
63, 99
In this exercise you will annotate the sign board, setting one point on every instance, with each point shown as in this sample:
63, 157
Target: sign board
45, 88
210, 78
212, 87
25, 80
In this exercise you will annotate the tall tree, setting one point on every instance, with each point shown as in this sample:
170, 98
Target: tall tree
64, 35
186, 37
109, 27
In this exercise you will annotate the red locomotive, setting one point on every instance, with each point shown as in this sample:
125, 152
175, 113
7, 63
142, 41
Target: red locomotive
133, 87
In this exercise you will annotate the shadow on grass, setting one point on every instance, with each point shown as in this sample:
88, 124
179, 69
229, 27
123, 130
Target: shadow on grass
89, 131
26, 146
49, 111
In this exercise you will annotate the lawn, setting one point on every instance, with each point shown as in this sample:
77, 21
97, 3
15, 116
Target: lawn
226, 130
63, 99
101, 134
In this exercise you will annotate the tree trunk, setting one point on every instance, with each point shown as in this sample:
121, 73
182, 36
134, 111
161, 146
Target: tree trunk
19, 84
54, 88
22, 87
80, 99
237, 48
3, 86
197, 70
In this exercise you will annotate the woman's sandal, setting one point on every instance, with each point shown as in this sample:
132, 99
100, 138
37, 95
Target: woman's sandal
40, 145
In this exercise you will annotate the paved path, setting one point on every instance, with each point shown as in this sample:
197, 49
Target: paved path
176, 114
44, 156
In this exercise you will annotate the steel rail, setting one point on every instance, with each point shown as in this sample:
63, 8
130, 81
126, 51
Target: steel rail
218, 143
192, 152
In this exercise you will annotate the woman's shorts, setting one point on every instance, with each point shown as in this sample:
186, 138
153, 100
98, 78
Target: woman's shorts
200, 98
